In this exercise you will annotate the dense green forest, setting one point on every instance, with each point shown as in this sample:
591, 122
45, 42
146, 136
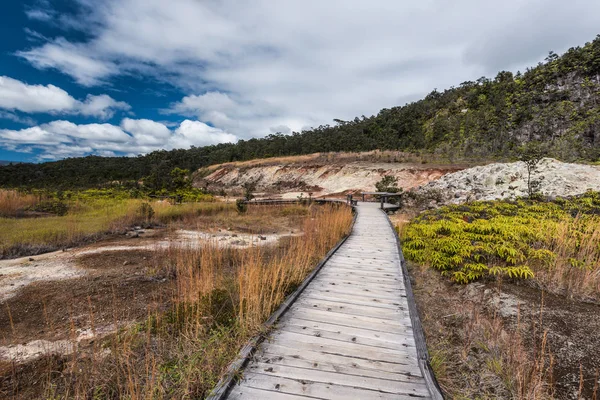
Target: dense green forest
556, 103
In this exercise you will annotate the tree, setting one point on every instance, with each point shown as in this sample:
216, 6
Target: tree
531, 154
179, 179
388, 184
249, 188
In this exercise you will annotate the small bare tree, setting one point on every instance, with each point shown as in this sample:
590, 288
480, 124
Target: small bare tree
531, 154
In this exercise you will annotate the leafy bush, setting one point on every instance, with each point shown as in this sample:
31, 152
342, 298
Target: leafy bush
505, 238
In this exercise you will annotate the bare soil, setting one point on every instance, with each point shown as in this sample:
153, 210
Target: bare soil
64, 316
290, 177
66, 302
449, 313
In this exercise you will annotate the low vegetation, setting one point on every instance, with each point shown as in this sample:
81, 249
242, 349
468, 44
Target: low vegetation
43, 221
221, 297
554, 243
502, 286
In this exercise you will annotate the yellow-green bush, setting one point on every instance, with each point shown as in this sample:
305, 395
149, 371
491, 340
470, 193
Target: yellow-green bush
509, 238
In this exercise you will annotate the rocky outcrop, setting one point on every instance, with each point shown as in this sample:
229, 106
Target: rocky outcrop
509, 180
321, 178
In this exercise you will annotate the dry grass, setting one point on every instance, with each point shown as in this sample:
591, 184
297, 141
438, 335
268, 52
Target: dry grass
91, 219
12, 202
385, 156
576, 270
475, 354
221, 298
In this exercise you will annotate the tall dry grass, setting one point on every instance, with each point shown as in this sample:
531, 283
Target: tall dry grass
221, 298
12, 202
475, 353
576, 269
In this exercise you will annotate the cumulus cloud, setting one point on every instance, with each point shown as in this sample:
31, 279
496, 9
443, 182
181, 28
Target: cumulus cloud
254, 67
19, 96
192, 132
102, 106
59, 139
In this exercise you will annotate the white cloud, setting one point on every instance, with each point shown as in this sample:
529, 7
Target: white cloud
254, 67
19, 96
16, 95
65, 56
59, 139
147, 132
102, 106
39, 14
195, 132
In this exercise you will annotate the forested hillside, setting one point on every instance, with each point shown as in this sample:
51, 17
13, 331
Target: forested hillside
556, 103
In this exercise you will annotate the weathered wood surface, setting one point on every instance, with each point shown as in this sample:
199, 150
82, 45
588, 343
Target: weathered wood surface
349, 334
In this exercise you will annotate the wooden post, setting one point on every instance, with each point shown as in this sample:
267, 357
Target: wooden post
363, 197
382, 202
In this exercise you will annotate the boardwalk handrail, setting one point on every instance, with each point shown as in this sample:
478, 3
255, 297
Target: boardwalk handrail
225, 384
419, 335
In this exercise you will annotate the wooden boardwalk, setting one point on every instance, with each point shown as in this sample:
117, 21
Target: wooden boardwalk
349, 334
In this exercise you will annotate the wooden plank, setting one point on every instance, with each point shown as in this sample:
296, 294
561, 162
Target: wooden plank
375, 267
361, 271
406, 338
349, 321
364, 256
359, 302
364, 382
363, 297
348, 368
250, 393
342, 336
365, 311
316, 389
365, 292
283, 363
373, 302
349, 284
357, 283
376, 320
333, 274
284, 350
393, 264
332, 346
386, 295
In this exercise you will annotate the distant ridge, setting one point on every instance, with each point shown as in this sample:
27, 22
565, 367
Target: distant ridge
556, 103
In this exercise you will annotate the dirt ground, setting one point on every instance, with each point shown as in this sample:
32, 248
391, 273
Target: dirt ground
61, 303
454, 316
66, 316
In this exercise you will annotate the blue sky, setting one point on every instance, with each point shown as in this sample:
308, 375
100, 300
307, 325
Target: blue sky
126, 77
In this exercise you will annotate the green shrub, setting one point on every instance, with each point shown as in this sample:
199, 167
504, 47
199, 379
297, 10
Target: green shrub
495, 238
